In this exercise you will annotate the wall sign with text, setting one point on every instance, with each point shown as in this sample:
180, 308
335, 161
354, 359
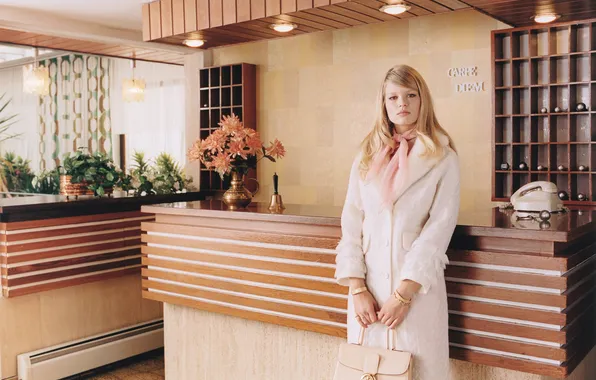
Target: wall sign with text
472, 71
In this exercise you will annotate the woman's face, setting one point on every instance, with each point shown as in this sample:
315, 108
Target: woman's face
402, 105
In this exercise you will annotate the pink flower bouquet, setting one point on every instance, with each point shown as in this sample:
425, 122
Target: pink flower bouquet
233, 147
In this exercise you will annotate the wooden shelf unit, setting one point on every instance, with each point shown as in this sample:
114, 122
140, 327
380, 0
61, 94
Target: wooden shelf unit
545, 67
224, 90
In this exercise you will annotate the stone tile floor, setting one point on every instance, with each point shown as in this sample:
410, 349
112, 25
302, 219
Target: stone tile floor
149, 366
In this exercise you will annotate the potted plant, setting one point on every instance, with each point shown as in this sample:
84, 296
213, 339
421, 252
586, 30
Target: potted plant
88, 174
141, 175
17, 173
169, 177
47, 182
234, 149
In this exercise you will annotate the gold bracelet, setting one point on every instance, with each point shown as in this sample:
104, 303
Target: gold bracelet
359, 290
401, 299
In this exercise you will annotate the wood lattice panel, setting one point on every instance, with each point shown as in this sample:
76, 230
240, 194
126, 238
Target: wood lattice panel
519, 12
89, 47
41, 255
226, 22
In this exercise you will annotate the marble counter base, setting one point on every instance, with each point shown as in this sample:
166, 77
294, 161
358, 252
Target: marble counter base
203, 346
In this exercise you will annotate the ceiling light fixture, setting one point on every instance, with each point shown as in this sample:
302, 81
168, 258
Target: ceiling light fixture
133, 89
194, 43
283, 27
395, 9
36, 78
546, 18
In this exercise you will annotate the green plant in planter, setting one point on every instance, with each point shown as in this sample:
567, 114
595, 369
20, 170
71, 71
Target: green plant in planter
169, 177
97, 170
142, 175
17, 173
47, 182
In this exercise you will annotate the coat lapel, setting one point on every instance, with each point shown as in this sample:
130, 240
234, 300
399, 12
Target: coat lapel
418, 166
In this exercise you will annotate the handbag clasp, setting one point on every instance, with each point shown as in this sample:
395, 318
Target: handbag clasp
368, 376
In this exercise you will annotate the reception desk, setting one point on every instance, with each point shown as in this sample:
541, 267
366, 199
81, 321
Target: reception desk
251, 295
70, 268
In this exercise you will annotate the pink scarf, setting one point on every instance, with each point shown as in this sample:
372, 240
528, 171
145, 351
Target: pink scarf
385, 168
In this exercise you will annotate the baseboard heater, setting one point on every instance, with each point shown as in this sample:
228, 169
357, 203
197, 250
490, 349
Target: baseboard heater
68, 359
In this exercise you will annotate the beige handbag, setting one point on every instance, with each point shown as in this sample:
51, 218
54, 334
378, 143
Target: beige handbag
357, 362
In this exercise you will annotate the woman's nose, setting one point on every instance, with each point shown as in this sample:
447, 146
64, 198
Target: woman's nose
402, 102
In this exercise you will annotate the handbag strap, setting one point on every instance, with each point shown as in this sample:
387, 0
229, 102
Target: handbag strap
389, 346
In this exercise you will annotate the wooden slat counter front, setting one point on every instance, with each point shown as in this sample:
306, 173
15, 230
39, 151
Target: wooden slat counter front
520, 297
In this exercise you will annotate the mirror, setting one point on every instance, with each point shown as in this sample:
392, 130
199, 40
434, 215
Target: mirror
57, 103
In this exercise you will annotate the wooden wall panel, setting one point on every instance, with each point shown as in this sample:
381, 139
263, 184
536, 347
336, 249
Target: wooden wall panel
243, 10
215, 13
190, 15
178, 17
146, 23
272, 7
167, 21
203, 16
304, 4
54, 253
229, 12
155, 19
288, 6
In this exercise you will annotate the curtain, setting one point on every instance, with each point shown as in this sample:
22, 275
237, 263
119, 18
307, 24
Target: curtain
77, 111
158, 123
25, 107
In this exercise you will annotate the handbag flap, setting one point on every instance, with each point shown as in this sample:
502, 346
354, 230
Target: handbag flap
390, 362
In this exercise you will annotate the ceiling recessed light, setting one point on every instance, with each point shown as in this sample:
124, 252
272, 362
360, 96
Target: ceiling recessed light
546, 18
395, 9
194, 43
283, 27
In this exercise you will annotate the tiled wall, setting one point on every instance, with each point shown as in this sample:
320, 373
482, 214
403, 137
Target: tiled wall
317, 94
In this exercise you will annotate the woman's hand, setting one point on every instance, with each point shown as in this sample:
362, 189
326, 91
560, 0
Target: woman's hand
393, 312
366, 308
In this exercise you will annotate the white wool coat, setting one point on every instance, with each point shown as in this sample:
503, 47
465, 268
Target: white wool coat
385, 245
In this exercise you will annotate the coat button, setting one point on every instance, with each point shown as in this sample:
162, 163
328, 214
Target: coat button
387, 276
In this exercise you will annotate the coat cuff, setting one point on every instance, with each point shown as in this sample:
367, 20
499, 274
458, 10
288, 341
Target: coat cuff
425, 272
350, 268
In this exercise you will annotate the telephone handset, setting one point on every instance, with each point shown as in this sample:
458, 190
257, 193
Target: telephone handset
537, 196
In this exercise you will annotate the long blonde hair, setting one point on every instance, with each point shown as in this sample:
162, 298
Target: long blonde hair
427, 125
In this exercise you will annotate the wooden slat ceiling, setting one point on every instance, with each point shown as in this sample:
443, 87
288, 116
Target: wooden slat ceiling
519, 12
226, 22
88, 47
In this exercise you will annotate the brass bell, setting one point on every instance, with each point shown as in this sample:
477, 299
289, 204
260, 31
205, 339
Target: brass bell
276, 205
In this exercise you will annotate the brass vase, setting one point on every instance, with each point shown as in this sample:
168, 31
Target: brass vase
237, 196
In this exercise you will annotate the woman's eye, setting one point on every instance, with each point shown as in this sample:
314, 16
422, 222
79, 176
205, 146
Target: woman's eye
392, 98
412, 95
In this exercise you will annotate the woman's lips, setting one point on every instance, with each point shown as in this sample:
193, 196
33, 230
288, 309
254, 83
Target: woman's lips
403, 113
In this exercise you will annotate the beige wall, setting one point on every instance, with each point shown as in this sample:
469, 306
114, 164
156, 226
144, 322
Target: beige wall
45, 319
317, 92
239, 349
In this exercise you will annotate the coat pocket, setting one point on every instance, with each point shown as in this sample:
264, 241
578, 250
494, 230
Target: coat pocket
408, 238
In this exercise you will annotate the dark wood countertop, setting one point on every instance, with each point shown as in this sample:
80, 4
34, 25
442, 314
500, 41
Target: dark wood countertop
487, 222
37, 207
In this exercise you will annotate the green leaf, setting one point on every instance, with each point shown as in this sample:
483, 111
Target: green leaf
110, 177
100, 191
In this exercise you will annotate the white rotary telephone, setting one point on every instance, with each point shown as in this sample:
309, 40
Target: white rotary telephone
536, 197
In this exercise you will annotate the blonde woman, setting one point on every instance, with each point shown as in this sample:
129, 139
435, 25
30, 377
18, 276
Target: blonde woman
400, 211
